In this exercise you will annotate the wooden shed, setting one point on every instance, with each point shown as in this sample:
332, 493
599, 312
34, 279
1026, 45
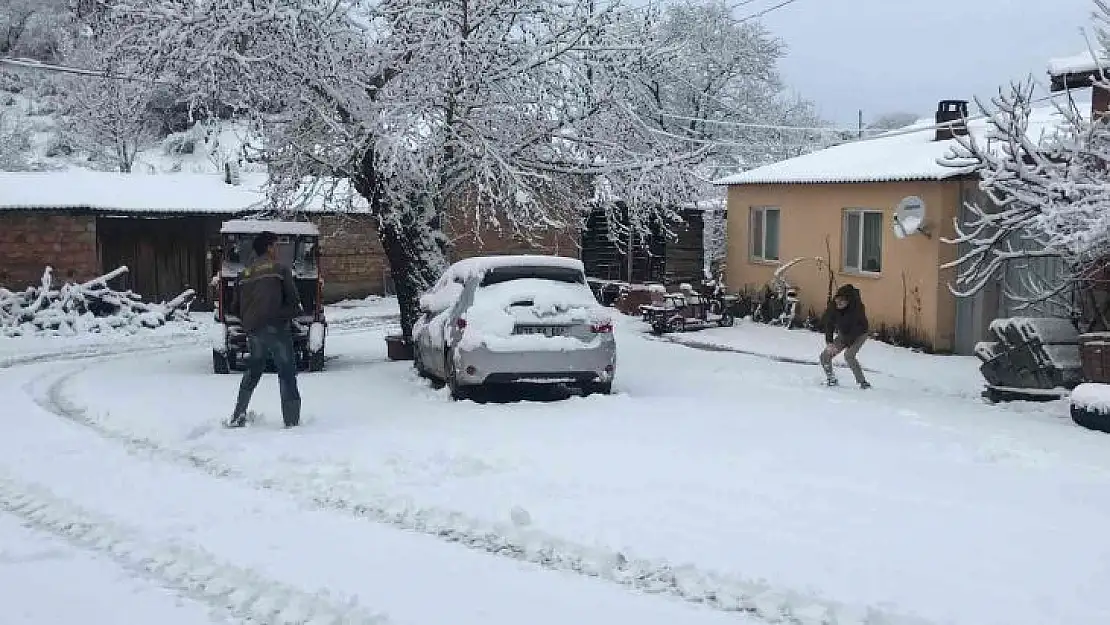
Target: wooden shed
638, 259
85, 224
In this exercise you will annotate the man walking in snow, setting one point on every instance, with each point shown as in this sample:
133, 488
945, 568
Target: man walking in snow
266, 301
845, 331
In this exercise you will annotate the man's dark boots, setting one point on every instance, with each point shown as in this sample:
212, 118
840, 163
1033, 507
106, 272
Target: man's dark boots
291, 412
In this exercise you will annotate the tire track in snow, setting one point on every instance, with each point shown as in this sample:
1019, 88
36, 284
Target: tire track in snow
652, 576
341, 327
189, 571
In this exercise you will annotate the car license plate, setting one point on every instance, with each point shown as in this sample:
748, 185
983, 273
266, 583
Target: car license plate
542, 330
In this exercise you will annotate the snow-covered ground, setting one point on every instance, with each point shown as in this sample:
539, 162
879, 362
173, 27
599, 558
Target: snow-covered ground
732, 486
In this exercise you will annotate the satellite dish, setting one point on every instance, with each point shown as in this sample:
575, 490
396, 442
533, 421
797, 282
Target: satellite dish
909, 217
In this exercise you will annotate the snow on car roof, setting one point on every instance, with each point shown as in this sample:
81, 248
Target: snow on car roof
911, 153
477, 265
255, 226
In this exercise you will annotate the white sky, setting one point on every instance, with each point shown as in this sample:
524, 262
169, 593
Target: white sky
888, 55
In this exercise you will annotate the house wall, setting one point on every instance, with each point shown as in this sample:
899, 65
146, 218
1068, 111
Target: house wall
31, 240
911, 289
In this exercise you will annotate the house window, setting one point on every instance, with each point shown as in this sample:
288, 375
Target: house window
765, 233
863, 241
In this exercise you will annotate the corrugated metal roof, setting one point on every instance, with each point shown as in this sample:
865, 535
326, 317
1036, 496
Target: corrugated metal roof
139, 194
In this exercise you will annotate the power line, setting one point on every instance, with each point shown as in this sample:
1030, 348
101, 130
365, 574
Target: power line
78, 71
759, 14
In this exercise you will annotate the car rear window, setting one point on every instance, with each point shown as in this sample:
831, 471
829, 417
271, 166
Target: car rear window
558, 274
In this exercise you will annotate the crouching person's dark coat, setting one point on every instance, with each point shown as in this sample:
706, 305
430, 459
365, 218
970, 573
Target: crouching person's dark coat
848, 324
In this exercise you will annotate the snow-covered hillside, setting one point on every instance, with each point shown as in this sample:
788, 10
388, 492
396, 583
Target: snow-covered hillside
33, 120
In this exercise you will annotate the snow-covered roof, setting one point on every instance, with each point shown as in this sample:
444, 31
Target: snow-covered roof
138, 193
1077, 63
910, 153
255, 226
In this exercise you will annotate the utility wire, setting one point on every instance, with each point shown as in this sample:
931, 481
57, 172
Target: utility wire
78, 71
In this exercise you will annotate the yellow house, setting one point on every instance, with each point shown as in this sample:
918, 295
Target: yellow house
839, 205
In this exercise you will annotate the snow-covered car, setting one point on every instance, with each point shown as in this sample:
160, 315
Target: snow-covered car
515, 319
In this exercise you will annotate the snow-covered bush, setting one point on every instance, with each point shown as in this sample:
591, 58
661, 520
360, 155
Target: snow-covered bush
80, 308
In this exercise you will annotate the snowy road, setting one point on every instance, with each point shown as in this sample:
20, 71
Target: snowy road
730, 480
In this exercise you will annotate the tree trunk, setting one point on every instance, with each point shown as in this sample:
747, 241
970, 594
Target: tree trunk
414, 242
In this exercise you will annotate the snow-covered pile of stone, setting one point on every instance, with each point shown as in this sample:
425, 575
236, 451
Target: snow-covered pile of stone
80, 308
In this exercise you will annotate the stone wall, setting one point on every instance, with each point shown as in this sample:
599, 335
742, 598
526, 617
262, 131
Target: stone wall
31, 240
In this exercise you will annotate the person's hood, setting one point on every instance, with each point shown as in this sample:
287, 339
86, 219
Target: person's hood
849, 293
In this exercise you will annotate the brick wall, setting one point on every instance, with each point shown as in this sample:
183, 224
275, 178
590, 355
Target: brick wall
353, 263
466, 241
31, 240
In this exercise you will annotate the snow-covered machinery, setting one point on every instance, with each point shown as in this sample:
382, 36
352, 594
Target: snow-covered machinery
1033, 358
298, 248
688, 310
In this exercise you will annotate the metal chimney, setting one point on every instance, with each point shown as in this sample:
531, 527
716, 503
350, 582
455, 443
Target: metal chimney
952, 113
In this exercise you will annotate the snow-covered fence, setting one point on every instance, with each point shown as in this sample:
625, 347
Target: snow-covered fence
77, 308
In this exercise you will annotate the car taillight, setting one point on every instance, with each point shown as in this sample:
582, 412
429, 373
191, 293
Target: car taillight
460, 323
601, 328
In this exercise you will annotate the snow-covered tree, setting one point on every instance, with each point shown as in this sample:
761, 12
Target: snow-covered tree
513, 113
713, 80
15, 141
107, 117
33, 28
1047, 194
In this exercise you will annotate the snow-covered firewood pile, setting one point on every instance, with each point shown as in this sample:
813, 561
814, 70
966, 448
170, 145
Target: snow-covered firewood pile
88, 307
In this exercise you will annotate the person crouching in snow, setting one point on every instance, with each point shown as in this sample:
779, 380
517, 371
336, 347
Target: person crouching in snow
847, 319
266, 302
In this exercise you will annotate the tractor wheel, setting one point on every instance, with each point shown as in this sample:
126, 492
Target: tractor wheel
220, 363
316, 361
726, 320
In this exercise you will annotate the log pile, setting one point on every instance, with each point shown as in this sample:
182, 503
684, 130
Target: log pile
89, 307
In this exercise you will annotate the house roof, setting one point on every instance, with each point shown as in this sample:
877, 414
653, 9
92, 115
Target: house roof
1076, 64
142, 194
907, 154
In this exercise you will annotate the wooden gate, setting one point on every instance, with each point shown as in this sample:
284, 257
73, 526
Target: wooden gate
164, 256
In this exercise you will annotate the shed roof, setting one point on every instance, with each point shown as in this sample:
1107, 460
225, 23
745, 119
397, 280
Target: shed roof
141, 194
911, 153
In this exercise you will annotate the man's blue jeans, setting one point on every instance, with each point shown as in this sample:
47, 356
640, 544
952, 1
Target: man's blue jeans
277, 344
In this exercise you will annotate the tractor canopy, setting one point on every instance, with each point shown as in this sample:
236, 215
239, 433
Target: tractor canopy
298, 245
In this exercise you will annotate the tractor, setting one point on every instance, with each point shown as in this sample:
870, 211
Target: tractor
299, 249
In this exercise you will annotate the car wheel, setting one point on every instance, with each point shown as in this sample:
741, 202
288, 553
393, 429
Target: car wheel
726, 320
220, 363
678, 324
458, 391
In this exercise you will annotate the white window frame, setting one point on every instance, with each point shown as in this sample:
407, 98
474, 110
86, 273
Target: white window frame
760, 212
861, 212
